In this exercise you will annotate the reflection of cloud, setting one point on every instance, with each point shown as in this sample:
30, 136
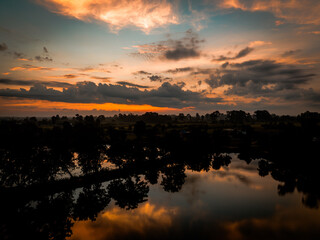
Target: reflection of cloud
284, 224
118, 14
146, 221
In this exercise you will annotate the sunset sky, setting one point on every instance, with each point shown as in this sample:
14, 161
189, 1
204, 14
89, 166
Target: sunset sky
168, 56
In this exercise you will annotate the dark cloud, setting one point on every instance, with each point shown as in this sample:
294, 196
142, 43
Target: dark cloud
171, 49
158, 78
43, 59
70, 76
131, 84
264, 78
34, 82
187, 47
104, 79
244, 52
45, 50
290, 53
225, 65
181, 52
181, 84
155, 78
3, 47
179, 70
141, 73
167, 95
18, 54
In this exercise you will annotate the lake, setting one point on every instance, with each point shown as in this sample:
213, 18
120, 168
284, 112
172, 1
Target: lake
231, 201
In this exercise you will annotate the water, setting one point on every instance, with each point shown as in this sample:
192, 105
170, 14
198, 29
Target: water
222, 198
233, 202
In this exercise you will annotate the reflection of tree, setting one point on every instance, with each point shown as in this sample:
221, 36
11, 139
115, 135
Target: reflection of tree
294, 177
90, 202
128, 193
47, 218
90, 160
220, 160
53, 216
152, 176
173, 177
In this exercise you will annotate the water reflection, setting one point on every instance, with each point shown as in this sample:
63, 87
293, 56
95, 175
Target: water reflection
233, 202
157, 183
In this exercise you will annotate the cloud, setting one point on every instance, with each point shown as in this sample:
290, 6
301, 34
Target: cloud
181, 52
225, 65
264, 78
141, 73
70, 76
155, 78
172, 49
104, 79
301, 12
30, 67
290, 53
3, 47
124, 83
43, 59
143, 14
244, 52
259, 43
167, 95
18, 54
34, 82
180, 70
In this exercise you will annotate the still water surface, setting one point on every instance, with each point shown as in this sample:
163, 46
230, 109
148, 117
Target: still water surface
233, 202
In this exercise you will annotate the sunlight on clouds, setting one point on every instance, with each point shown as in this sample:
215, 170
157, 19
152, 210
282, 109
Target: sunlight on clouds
118, 14
301, 12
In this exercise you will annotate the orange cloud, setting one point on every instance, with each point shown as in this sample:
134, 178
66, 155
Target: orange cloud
118, 14
301, 12
29, 67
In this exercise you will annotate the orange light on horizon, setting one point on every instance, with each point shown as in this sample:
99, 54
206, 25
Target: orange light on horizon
44, 105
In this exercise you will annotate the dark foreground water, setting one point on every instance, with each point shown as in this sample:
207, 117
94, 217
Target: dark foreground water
233, 202
229, 201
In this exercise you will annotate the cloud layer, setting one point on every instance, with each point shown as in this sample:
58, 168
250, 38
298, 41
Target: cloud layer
301, 12
172, 49
167, 95
143, 14
265, 78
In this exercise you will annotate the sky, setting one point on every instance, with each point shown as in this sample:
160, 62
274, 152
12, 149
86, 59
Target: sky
167, 56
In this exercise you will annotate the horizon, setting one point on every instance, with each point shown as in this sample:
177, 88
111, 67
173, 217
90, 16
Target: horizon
108, 57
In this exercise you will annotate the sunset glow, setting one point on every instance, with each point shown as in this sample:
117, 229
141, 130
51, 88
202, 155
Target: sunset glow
159, 55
